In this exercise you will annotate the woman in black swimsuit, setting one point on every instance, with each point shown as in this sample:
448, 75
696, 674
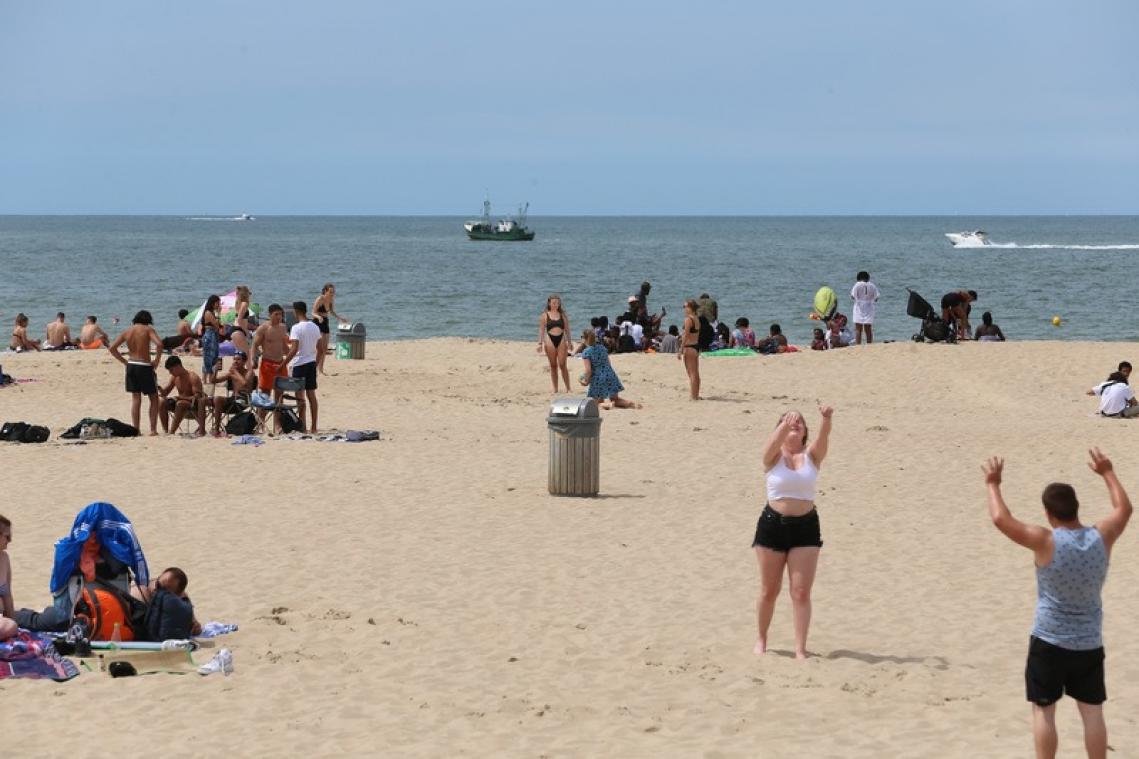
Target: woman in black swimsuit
553, 337
690, 348
324, 305
239, 335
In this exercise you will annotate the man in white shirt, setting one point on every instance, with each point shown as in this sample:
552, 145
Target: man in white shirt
301, 360
865, 296
1116, 397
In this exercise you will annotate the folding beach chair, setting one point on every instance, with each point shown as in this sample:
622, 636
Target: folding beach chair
290, 389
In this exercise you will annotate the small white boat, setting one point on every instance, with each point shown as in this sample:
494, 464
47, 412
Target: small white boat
975, 239
244, 217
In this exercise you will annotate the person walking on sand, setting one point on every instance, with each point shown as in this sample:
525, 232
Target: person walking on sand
690, 347
865, 296
304, 339
787, 535
599, 377
553, 337
1065, 649
324, 305
141, 367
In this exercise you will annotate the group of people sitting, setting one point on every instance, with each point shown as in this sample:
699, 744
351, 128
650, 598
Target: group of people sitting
57, 336
1116, 399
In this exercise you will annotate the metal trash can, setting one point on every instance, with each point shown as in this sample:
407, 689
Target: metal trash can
350, 340
575, 446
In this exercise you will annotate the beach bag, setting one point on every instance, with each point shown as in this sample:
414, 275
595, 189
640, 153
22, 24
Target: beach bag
290, 422
168, 617
35, 434
104, 606
241, 424
707, 335
13, 432
121, 429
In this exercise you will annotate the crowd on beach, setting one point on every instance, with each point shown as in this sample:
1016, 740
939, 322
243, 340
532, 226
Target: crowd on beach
261, 354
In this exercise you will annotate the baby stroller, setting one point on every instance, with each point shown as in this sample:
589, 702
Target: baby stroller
933, 327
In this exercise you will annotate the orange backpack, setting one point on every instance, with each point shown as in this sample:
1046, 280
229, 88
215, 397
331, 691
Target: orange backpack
105, 606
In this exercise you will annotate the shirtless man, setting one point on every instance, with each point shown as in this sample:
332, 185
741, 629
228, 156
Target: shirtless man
189, 397
240, 380
20, 340
141, 368
955, 307
272, 339
92, 335
58, 333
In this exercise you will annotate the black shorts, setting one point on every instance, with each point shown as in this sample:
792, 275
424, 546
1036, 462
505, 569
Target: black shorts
307, 372
1053, 671
141, 379
782, 533
322, 325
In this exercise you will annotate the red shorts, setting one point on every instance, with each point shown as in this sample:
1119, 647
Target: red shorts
268, 373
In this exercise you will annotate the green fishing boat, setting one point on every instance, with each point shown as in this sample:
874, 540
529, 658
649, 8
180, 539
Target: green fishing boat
504, 229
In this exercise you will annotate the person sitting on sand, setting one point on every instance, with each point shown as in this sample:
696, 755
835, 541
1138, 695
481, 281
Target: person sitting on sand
670, 343
173, 581
92, 335
20, 340
955, 308
1116, 398
988, 332
188, 398
182, 335
1065, 650
8, 626
775, 342
239, 381
787, 535
743, 336
58, 335
820, 341
142, 369
835, 337
599, 376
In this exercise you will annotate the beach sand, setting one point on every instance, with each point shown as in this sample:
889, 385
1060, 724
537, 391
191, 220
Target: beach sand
424, 595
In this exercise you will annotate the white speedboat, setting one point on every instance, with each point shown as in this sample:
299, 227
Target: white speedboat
975, 239
244, 217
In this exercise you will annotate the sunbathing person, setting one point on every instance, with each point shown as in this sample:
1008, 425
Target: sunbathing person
58, 334
8, 625
173, 581
775, 342
183, 334
189, 397
240, 381
92, 335
20, 341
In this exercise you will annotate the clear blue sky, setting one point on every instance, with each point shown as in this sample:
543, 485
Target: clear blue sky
589, 107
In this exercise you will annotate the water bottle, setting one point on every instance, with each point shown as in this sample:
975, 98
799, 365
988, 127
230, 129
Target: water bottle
116, 637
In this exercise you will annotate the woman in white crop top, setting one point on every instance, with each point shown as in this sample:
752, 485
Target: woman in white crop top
787, 535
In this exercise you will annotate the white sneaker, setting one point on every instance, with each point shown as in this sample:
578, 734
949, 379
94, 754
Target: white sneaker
222, 662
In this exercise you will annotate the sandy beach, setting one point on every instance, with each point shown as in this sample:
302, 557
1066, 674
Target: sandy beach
424, 595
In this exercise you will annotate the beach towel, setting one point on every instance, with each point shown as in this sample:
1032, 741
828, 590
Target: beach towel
248, 440
113, 531
31, 656
731, 352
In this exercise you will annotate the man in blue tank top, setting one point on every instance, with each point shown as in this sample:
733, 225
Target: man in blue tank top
1065, 650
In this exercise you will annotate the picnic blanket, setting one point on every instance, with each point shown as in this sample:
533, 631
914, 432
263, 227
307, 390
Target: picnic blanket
32, 656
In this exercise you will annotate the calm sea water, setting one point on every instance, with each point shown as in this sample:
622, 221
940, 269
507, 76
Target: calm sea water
414, 277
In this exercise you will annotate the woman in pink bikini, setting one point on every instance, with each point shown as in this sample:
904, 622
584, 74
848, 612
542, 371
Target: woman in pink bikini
787, 535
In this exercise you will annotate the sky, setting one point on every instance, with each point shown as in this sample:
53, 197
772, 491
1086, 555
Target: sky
964, 107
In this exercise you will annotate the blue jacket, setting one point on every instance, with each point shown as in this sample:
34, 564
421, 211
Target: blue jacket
113, 531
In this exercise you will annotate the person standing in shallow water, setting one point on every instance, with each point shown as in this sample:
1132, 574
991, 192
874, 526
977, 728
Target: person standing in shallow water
553, 338
787, 536
1065, 650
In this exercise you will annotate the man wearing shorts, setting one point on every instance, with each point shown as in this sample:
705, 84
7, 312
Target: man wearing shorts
303, 340
141, 367
272, 339
1065, 650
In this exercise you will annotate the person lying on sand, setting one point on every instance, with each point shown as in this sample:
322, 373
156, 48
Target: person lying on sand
173, 581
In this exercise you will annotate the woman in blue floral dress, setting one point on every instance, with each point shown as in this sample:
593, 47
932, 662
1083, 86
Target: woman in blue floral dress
599, 375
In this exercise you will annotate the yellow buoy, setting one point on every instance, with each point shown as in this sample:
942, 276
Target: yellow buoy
1055, 321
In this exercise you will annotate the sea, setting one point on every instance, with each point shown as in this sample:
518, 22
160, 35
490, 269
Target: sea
420, 277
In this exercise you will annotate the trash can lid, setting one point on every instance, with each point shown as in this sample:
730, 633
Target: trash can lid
574, 407
355, 328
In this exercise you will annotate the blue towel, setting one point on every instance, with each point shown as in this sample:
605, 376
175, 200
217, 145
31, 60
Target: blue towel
113, 531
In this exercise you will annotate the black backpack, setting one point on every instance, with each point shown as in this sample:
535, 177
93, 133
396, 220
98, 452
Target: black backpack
290, 422
706, 336
13, 432
167, 617
35, 434
241, 424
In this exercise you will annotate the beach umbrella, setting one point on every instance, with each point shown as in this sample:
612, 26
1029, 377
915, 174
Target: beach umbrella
228, 310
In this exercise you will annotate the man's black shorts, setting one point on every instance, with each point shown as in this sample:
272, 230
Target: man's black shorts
1053, 671
141, 379
307, 372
